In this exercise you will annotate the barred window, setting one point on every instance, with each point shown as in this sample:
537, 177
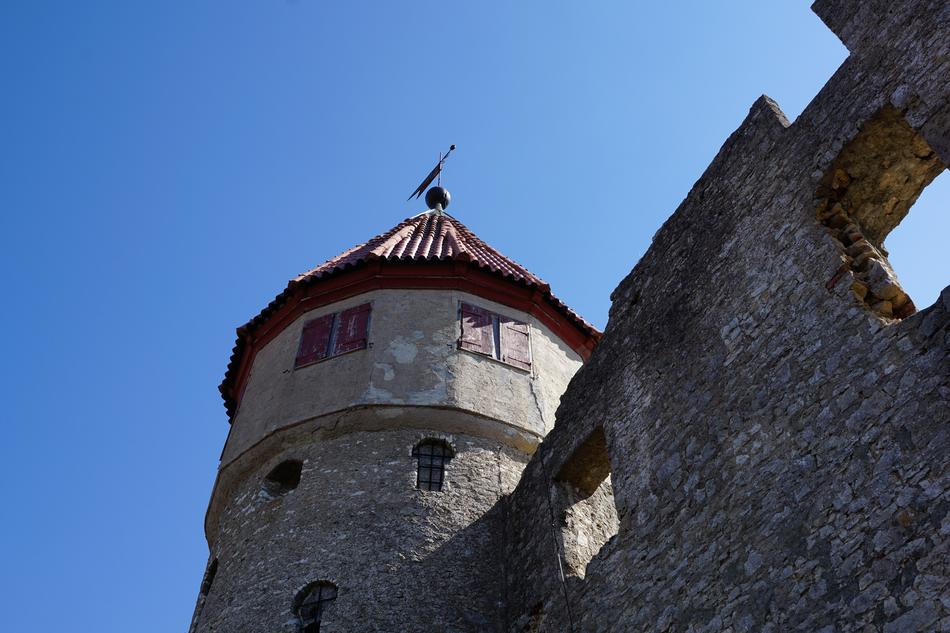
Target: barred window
312, 603
432, 456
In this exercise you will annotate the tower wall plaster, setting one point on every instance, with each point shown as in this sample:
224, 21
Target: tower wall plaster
412, 360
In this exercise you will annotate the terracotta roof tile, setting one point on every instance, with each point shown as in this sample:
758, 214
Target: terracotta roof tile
427, 236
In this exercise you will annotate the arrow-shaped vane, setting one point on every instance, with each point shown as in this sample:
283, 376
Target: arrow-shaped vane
432, 175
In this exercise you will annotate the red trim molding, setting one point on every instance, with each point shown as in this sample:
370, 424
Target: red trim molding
381, 274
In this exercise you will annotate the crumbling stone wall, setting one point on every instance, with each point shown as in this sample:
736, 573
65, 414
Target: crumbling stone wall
873, 183
779, 444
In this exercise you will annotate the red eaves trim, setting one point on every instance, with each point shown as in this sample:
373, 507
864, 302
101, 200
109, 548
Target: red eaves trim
379, 274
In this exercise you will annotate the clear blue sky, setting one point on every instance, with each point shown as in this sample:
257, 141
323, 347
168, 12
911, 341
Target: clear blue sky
165, 167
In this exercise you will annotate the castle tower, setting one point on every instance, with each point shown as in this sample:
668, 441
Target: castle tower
380, 408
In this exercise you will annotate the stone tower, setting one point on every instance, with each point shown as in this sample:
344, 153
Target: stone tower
380, 407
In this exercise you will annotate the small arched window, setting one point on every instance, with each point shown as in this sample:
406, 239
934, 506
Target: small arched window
432, 456
311, 605
283, 478
208, 579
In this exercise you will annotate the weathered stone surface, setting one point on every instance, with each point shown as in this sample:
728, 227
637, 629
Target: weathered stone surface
779, 449
400, 558
759, 443
403, 559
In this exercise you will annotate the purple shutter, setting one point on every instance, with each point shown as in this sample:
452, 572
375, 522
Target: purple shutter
315, 340
352, 329
476, 330
515, 349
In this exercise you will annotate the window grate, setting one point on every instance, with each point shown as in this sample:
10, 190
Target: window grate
311, 607
431, 456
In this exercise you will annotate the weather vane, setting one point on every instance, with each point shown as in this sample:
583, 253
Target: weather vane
443, 196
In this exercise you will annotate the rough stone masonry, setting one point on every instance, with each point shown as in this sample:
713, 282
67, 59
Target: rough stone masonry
759, 442
774, 408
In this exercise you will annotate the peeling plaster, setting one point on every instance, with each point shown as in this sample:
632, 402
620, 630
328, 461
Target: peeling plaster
403, 350
388, 372
413, 357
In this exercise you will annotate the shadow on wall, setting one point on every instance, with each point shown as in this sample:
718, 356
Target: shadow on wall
477, 606
576, 525
584, 519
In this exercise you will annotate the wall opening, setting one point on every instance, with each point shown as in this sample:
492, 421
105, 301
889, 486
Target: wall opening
584, 493
283, 478
206, 581
921, 236
867, 191
312, 604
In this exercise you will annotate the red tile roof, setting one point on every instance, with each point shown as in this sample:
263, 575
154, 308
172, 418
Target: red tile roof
427, 237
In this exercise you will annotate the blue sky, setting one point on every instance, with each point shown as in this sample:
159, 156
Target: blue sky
166, 167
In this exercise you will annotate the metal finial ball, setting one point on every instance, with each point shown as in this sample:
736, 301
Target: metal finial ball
438, 196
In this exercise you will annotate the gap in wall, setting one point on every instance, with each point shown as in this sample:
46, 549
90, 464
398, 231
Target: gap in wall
919, 246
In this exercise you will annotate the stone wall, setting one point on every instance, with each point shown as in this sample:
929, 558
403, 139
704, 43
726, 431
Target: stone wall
759, 443
402, 559
778, 444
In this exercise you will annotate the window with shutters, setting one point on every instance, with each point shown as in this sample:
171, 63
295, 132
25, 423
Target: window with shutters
334, 334
312, 604
431, 459
495, 335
